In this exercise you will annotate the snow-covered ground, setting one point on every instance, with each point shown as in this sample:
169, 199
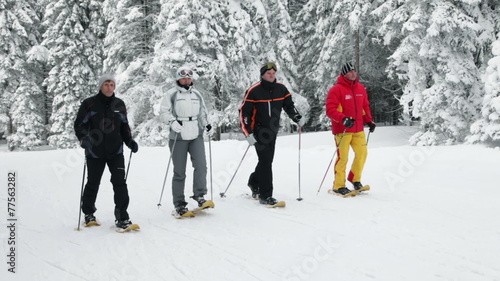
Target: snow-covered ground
432, 214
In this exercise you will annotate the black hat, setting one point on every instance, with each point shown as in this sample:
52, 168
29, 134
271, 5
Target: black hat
267, 66
347, 67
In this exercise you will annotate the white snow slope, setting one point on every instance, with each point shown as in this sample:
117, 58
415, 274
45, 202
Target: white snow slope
432, 214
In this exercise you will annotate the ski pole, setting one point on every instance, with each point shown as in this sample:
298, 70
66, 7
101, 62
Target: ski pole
211, 175
166, 173
81, 195
368, 137
223, 194
331, 160
128, 166
300, 132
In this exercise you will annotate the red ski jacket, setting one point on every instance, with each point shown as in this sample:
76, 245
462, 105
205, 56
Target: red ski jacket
348, 99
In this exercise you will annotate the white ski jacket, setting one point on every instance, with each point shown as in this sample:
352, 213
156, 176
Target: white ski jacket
186, 106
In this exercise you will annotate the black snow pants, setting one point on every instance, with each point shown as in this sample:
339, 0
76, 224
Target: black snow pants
263, 174
116, 166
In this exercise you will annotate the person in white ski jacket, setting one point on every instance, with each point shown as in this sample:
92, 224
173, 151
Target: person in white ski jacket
183, 108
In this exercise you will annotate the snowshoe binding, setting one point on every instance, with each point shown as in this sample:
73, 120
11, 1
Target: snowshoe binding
182, 212
199, 199
270, 202
344, 192
125, 226
123, 223
358, 187
207, 204
90, 220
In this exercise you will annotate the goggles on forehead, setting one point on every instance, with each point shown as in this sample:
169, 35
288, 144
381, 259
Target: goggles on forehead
186, 73
271, 65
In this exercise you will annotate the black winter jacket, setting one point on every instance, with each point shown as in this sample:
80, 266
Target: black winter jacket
104, 121
261, 107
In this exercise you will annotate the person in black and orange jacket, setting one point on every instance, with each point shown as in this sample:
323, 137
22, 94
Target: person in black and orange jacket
348, 107
260, 121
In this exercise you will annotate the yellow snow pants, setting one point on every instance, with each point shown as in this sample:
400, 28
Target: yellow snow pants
358, 143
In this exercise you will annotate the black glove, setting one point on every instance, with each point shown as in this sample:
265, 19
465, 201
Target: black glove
133, 146
348, 122
372, 126
85, 143
209, 127
296, 118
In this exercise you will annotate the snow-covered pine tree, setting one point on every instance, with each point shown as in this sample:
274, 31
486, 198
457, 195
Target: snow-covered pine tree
281, 40
8, 83
21, 76
129, 49
238, 65
28, 120
223, 41
294, 7
325, 41
437, 57
190, 33
277, 44
75, 30
487, 129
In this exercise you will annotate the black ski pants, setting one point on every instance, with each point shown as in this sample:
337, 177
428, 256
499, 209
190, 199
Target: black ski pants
95, 167
263, 174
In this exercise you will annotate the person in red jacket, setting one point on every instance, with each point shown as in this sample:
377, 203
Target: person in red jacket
348, 107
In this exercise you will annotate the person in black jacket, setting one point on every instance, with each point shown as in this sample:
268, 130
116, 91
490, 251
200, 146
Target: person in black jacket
102, 127
260, 122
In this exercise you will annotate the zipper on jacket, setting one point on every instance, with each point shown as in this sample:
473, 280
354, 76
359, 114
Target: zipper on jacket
355, 103
269, 107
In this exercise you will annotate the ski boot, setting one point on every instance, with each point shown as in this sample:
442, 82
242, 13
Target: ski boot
181, 210
199, 199
255, 191
344, 192
254, 186
268, 201
123, 223
357, 185
89, 219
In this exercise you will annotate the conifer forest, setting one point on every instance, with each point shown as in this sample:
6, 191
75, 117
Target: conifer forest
433, 64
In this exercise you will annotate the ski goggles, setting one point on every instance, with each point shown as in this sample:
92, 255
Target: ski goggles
270, 65
185, 73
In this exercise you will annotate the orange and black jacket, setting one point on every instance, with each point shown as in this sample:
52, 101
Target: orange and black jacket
261, 107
